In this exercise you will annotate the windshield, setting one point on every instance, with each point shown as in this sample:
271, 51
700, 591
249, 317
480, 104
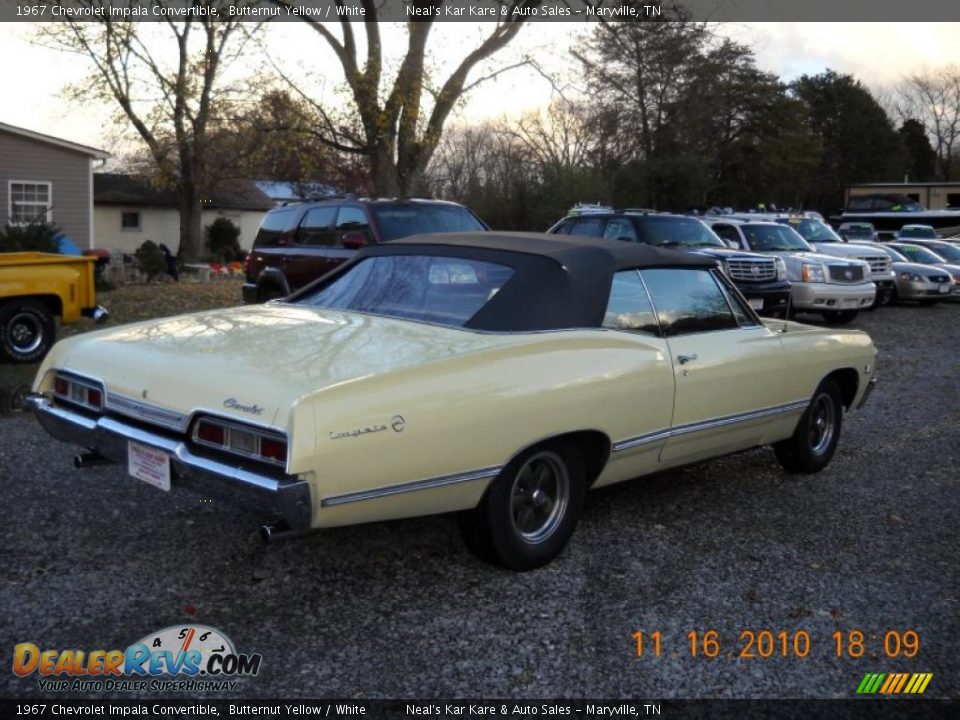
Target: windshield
813, 231
895, 255
918, 231
920, 254
859, 231
443, 290
948, 252
773, 238
398, 220
675, 231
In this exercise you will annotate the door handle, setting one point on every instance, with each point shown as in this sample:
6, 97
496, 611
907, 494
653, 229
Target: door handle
684, 359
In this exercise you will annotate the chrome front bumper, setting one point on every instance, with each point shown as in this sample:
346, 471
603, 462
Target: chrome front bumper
285, 499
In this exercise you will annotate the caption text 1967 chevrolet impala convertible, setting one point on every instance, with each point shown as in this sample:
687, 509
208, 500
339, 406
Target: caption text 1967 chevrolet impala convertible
498, 375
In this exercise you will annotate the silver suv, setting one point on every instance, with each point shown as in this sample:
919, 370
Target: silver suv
836, 288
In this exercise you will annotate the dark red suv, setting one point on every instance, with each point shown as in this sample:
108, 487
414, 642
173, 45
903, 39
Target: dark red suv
298, 243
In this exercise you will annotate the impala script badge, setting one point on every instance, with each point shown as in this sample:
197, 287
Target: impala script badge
234, 404
397, 423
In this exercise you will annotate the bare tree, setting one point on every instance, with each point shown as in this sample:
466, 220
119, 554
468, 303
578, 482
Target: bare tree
401, 122
932, 97
166, 78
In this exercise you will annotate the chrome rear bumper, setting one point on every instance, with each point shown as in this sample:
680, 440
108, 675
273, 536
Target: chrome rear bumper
285, 499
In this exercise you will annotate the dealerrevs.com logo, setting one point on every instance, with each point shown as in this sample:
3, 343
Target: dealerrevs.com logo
191, 657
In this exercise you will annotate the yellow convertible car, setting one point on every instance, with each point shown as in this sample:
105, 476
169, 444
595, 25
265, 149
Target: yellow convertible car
497, 375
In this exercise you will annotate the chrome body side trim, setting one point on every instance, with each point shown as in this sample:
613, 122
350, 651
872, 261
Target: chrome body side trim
866, 393
278, 497
428, 484
659, 435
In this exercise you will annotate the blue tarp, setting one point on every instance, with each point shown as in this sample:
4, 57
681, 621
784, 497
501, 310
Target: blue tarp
67, 246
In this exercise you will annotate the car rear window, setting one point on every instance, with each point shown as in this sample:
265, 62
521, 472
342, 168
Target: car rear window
398, 220
274, 223
443, 290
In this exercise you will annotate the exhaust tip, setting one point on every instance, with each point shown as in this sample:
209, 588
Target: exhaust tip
89, 459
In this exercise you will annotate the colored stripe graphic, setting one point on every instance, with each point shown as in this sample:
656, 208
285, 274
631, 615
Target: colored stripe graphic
894, 683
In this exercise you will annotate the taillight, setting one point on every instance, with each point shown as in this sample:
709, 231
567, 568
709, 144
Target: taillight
211, 433
78, 391
248, 265
274, 449
242, 440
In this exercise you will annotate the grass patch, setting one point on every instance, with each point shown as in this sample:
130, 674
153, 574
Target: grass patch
134, 303
127, 304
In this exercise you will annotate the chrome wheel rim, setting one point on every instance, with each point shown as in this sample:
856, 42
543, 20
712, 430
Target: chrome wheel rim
24, 332
822, 423
539, 497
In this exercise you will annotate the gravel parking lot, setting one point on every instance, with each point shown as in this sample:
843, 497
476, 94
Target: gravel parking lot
94, 559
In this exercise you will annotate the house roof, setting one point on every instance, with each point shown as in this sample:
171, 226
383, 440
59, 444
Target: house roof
122, 189
59, 142
284, 190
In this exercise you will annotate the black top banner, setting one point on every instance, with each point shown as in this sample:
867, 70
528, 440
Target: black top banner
492, 11
471, 709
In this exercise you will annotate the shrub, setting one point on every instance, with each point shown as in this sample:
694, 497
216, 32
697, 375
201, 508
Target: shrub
223, 240
150, 260
35, 237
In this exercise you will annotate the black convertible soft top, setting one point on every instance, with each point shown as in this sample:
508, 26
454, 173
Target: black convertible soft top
559, 281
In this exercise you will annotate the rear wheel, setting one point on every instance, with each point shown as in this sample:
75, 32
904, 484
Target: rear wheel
813, 443
839, 317
530, 511
27, 330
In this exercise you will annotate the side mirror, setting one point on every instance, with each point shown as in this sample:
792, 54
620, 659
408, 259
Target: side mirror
355, 239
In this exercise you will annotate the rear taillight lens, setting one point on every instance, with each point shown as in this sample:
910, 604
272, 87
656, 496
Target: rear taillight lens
241, 440
211, 433
274, 449
78, 391
248, 265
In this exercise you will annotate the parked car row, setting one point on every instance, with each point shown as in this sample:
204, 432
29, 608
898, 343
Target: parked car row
781, 263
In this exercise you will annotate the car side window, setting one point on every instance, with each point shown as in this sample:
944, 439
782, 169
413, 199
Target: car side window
620, 229
588, 226
563, 228
316, 228
727, 232
272, 227
629, 305
688, 301
745, 317
352, 221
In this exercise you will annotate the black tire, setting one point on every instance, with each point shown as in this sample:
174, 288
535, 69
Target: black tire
895, 296
811, 447
27, 331
266, 294
530, 510
839, 317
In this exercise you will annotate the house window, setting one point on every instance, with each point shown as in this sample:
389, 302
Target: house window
130, 221
29, 202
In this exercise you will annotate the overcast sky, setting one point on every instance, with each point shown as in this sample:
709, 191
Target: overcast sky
877, 53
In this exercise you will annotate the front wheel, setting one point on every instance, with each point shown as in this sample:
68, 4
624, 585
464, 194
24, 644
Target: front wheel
530, 510
27, 331
813, 443
839, 317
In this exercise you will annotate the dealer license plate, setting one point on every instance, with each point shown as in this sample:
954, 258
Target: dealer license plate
944, 289
756, 303
149, 464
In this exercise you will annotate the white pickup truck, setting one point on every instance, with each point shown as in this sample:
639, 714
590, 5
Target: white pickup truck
835, 287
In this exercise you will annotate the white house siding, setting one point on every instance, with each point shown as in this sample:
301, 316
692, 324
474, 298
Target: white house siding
162, 225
